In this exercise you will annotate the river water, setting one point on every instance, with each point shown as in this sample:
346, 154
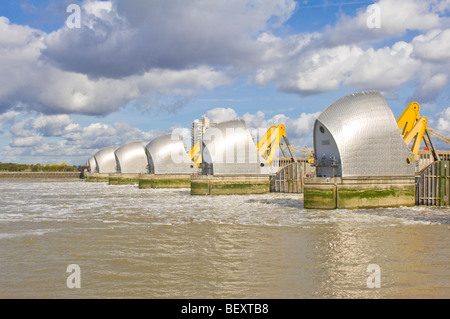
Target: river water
165, 243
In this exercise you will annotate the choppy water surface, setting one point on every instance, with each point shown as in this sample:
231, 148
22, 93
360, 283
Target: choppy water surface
161, 243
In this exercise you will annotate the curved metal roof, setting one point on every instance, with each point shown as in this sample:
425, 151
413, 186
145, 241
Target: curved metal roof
131, 158
361, 133
92, 165
167, 155
228, 148
105, 160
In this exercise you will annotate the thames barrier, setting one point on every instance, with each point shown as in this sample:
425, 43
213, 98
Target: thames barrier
343, 171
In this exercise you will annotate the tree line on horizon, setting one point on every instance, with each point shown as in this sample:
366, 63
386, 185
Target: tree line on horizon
14, 167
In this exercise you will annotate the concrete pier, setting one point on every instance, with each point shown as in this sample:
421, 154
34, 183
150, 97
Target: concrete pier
123, 179
353, 193
165, 181
229, 184
97, 177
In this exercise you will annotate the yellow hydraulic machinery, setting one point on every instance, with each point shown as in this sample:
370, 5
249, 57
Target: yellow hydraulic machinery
408, 119
195, 154
308, 152
439, 136
269, 143
414, 127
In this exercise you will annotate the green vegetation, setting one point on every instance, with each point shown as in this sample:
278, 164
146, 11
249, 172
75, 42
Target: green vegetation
211, 187
165, 183
219, 188
99, 179
199, 188
13, 167
345, 197
376, 197
123, 181
346, 193
319, 198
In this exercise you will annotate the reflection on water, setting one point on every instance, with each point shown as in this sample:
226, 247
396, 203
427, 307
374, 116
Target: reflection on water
132, 243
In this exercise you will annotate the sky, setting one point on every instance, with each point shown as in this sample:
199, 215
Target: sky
78, 76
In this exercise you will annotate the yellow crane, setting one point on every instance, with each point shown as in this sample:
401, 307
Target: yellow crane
195, 154
308, 152
439, 136
270, 141
414, 127
266, 146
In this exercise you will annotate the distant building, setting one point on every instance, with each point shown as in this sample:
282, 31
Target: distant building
199, 127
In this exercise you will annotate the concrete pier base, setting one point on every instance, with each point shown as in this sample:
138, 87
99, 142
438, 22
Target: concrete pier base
123, 179
165, 181
229, 184
353, 193
96, 177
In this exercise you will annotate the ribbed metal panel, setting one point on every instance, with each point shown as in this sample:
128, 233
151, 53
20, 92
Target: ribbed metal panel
106, 160
167, 155
361, 133
92, 165
228, 149
131, 158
